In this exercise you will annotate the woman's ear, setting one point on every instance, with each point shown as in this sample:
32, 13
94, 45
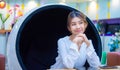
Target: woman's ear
68, 28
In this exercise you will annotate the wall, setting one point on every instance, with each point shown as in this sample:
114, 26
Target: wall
100, 9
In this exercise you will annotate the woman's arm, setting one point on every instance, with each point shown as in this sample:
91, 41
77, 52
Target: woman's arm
92, 57
68, 55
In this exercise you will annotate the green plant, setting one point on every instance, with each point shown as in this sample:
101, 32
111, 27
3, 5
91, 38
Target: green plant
3, 19
114, 42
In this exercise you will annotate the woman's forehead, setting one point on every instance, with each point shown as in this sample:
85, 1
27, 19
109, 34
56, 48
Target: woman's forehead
77, 18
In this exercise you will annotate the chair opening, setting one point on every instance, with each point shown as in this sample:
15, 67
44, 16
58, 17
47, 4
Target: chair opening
36, 44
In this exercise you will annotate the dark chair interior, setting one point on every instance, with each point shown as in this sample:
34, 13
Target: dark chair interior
36, 43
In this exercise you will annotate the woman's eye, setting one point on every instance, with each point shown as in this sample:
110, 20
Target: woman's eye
81, 22
73, 24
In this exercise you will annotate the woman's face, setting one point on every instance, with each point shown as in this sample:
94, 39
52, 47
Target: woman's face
77, 26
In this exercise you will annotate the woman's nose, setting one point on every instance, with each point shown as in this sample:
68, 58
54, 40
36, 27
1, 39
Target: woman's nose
78, 26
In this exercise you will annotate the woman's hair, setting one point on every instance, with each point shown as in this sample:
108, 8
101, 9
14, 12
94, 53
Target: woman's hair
74, 14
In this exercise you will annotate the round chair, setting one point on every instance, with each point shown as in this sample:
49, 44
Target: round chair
32, 43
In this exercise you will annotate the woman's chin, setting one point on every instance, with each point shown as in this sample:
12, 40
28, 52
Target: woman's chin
80, 32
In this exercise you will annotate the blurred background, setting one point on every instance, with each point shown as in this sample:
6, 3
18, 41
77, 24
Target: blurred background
103, 13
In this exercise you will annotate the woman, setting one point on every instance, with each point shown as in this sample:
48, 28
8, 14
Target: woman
74, 50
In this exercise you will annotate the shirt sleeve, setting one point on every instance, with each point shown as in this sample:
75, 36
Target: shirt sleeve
92, 57
68, 55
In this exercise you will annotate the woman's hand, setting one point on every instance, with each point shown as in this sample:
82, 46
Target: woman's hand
79, 39
85, 39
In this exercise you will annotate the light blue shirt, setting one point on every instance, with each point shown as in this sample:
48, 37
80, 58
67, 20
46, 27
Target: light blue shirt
70, 57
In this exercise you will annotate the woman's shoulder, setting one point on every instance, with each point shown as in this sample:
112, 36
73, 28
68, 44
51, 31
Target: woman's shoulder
63, 38
90, 40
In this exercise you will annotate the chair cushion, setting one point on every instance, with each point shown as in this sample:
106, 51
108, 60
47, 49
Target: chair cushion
2, 62
113, 58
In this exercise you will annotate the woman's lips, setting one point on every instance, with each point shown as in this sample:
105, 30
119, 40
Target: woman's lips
78, 31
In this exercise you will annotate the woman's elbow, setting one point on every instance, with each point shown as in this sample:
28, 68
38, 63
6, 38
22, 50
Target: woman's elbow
68, 64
